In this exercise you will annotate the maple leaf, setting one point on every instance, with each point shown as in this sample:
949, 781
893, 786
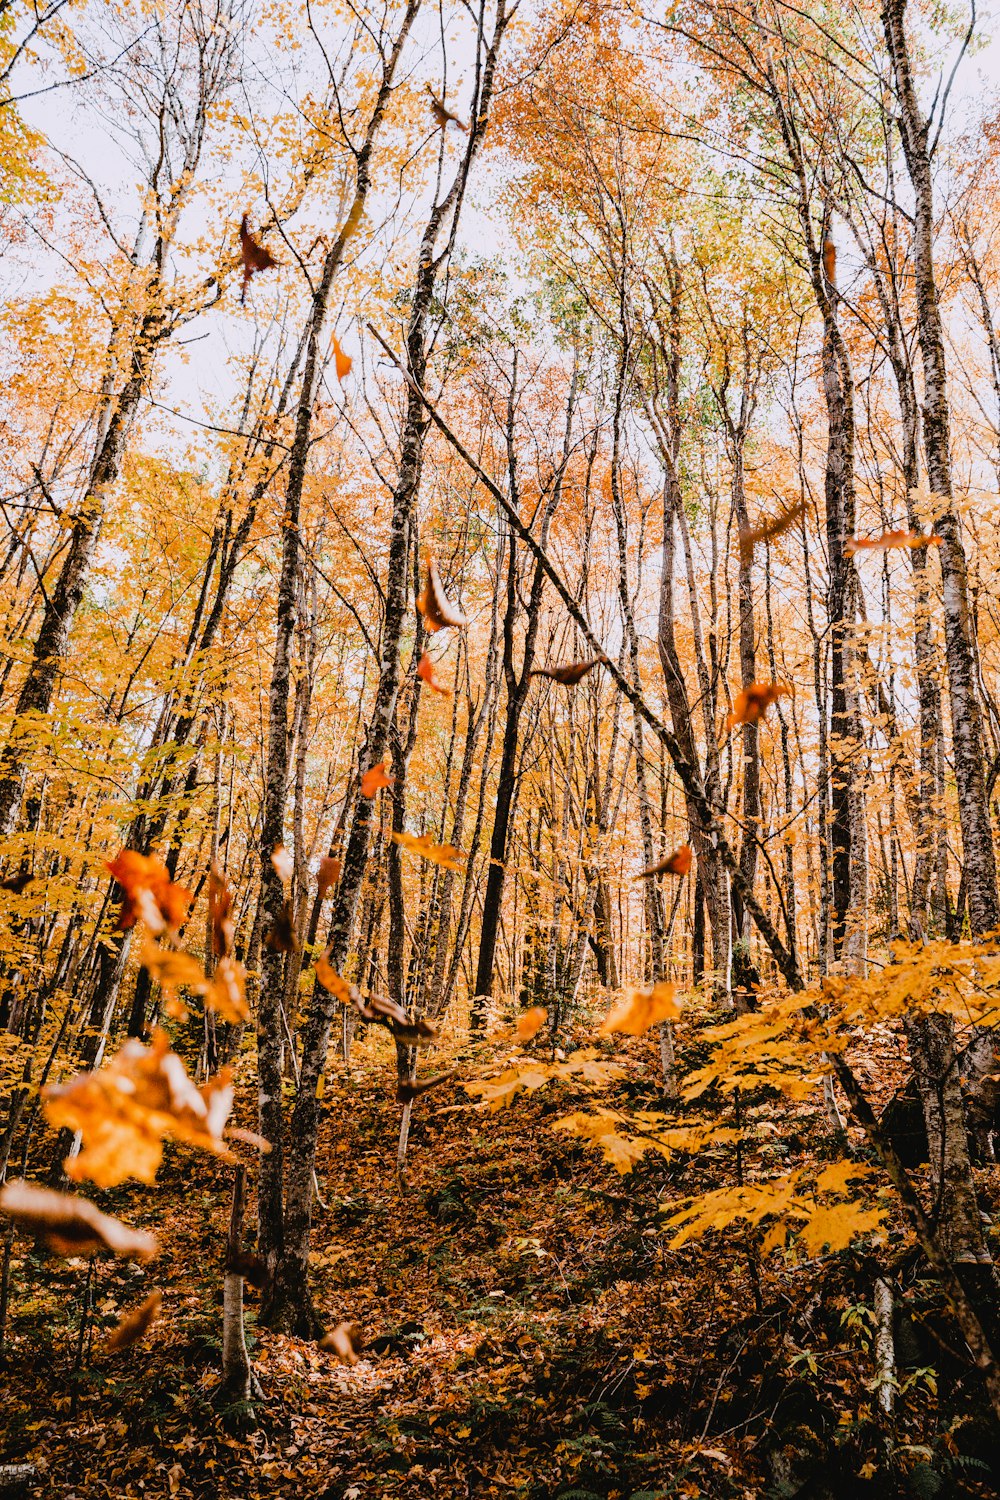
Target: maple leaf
407, 1092
768, 530
570, 672
134, 1324
224, 992
530, 1023
125, 1110
425, 670
375, 778
641, 1009
433, 603
342, 361
752, 702
255, 256
71, 1225
345, 1341
889, 539
149, 892
443, 117
331, 980
328, 875
445, 855
678, 863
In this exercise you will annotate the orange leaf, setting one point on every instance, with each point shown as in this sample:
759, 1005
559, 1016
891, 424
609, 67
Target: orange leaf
342, 361
375, 778
425, 669
677, 863
530, 1023
254, 255
753, 702
345, 1341
124, 1111
331, 980
889, 539
434, 604
641, 1009
134, 1324
149, 892
571, 672
768, 530
220, 913
328, 875
72, 1225
283, 863
445, 855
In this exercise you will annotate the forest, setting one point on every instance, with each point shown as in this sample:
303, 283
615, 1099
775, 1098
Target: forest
499, 749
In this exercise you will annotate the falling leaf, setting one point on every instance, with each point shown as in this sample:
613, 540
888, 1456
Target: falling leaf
445, 855
425, 670
375, 778
571, 672
753, 702
641, 1009
281, 936
220, 913
419, 1033
72, 1225
829, 260
345, 1341
223, 992
889, 539
328, 875
149, 892
342, 361
331, 980
255, 256
677, 863
226, 992
283, 863
252, 1268
125, 1110
444, 117
437, 609
768, 530
134, 1324
530, 1023
249, 1138
407, 1092
17, 883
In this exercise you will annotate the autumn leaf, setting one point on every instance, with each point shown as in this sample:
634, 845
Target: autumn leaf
226, 991
375, 778
283, 863
570, 672
407, 1092
331, 980
255, 256
328, 875
443, 117
752, 702
223, 992
530, 1023
829, 260
134, 1324
125, 1110
342, 361
433, 603
889, 539
220, 913
71, 1225
345, 1341
149, 892
678, 863
445, 855
425, 670
641, 1009
281, 936
252, 1268
17, 883
768, 530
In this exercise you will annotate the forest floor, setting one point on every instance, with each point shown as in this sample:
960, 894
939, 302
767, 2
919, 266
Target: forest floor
529, 1335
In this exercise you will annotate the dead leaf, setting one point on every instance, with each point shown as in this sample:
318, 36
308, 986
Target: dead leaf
328, 875
220, 913
768, 530
437, 609
641, 1009
126, 1109
829, 260
72, 1225
345, 1341
752, 702
375, 778
255, 256
677, 863
888, 540
251, 1267
134, 1324
407, 1092
281, 936
16, 883
425, 670
342, 361
444, 117
331, 980
445, 855
530, 1023
571, 672
149, 892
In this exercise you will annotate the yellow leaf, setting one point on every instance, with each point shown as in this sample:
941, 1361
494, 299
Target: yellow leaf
641, 1009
